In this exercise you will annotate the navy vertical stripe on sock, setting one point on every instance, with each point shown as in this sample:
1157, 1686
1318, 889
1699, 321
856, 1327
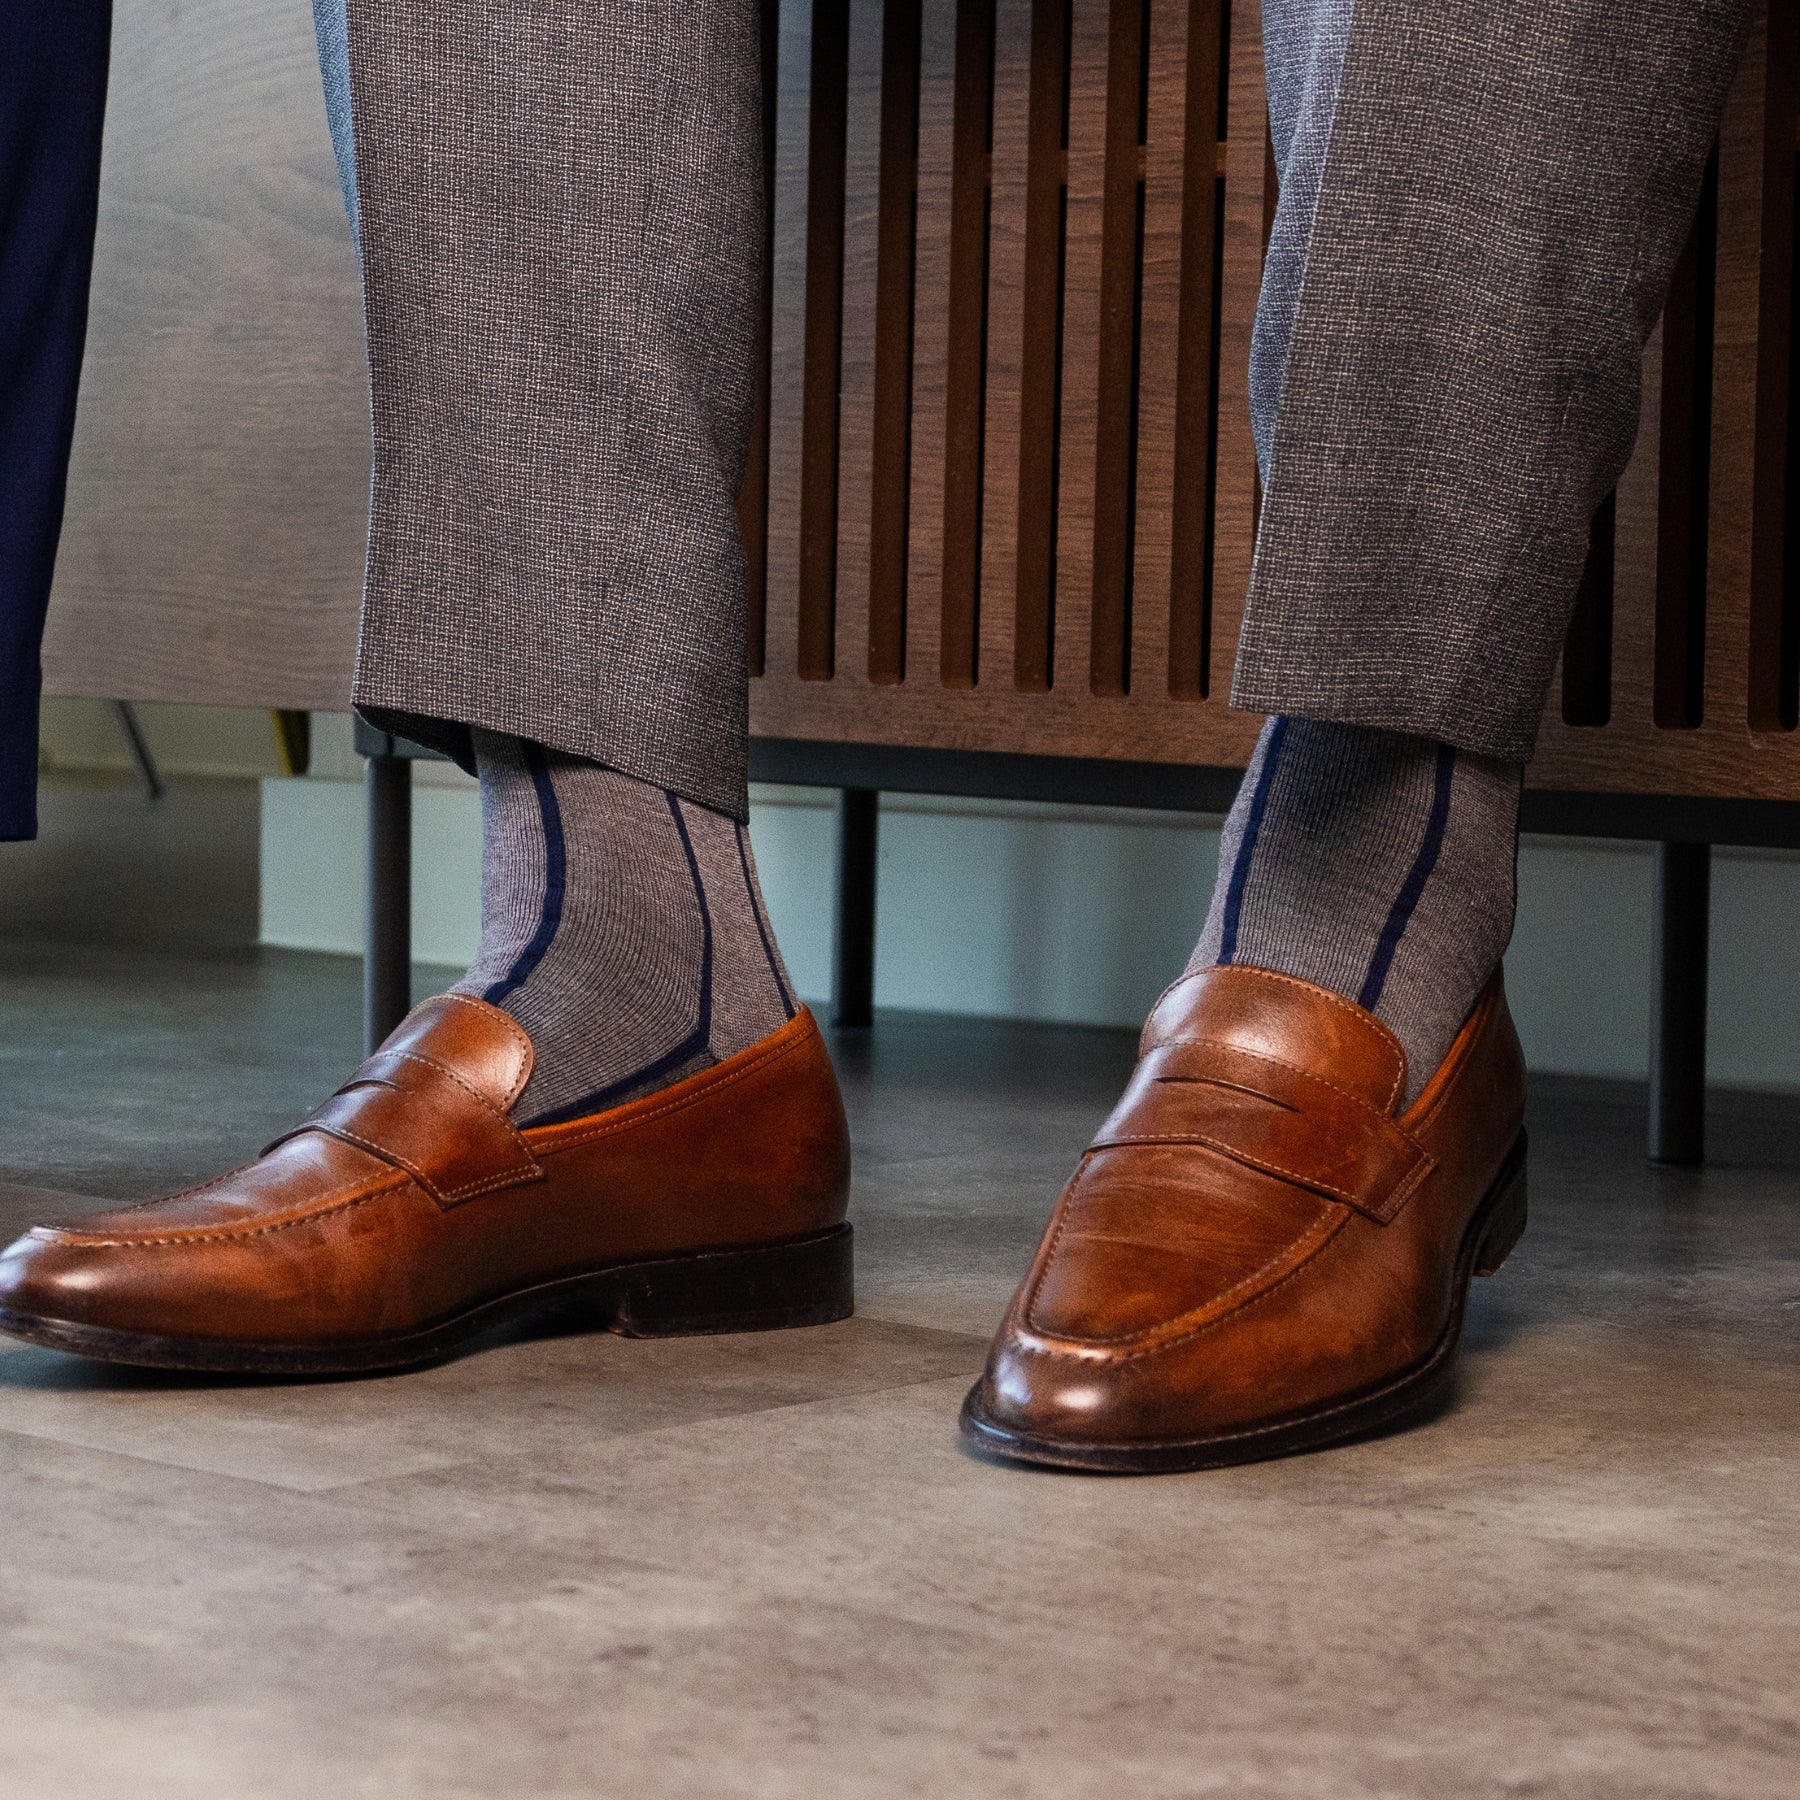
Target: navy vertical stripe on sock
702, 1030
695, 1041
1240, 871
1414, 885
762, 930
556, 873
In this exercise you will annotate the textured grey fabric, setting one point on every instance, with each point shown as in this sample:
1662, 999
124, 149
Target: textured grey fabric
621, 925
1484, 252
1380, 866
560, 207
1303, 52
561, 219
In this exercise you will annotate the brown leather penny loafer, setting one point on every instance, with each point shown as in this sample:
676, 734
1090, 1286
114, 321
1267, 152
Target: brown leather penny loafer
1258, 1254
408, 1213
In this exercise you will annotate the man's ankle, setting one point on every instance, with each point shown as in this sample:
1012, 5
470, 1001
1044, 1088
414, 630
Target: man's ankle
622, 926
1380, 866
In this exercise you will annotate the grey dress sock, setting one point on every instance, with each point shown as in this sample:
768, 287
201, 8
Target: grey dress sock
621, 925
1380, 866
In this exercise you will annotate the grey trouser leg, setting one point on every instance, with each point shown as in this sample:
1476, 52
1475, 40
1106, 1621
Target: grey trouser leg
561, 232
1482, 204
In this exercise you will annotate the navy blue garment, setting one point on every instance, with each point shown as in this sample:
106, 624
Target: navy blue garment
53, 59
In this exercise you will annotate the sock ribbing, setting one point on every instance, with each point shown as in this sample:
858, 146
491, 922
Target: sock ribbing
1380, 866
622, 926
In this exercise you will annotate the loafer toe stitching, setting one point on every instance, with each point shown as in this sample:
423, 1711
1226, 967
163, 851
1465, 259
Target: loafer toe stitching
326, 1207
138, 1206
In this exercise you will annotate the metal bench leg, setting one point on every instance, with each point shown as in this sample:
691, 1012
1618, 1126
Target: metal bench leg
853, 951
387, 927
125, 717
1678, 1003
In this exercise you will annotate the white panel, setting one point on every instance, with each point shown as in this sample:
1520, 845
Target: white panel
1081, 916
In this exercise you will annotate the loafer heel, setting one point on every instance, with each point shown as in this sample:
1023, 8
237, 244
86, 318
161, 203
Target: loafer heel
1505, 1214
809, 1281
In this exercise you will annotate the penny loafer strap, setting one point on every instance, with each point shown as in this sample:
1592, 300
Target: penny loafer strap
1271, 1116
421, 1116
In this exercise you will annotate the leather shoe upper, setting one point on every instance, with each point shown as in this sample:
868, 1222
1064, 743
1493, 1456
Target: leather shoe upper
410, 1195
1256, 1230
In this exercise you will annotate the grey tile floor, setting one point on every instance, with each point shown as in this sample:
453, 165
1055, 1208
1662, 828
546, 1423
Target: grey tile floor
571, 1565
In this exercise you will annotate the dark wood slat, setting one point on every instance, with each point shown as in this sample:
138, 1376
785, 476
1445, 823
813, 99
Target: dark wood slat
1788, 684
1089, 55
1164, 152
824, 337
1115, 419
897, 236
856, 385
1040, 397
931, 344
1007, 186
1587, 649
1737, 525
971, 133
1197, 357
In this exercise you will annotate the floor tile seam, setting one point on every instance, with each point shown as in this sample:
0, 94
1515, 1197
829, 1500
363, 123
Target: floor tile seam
507, 1458
947, 1331
672, 1431
438, 1466
261, 1483
823, 1400
980, 1339
781, 1585
13, 1192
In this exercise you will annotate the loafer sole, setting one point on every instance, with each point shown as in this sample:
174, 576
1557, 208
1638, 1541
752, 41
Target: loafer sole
765, 1287
1497, 1226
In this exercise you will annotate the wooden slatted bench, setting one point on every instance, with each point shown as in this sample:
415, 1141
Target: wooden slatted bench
1003, 507
1002, 500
